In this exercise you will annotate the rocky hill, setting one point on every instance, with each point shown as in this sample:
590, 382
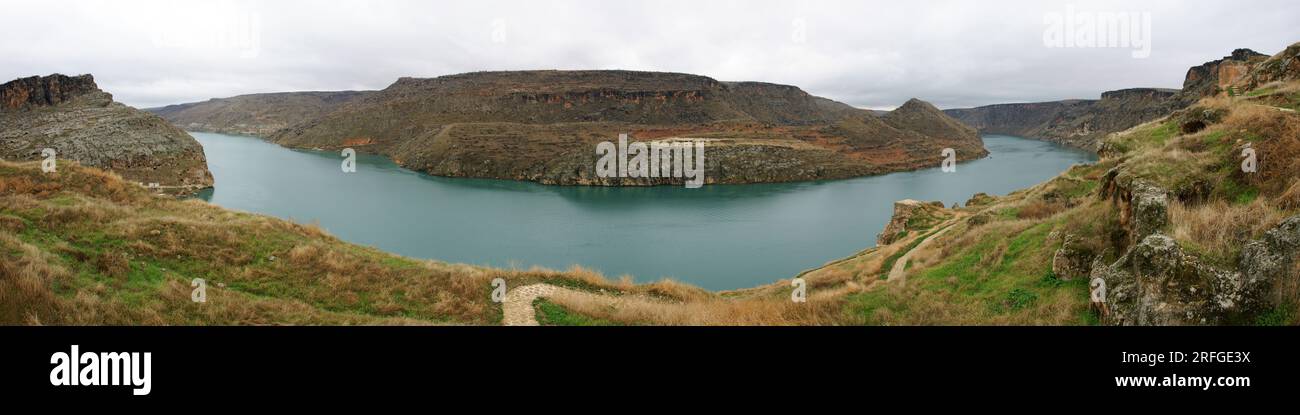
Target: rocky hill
1172, 226
1284, 66
1215, 76
1083, 123
1076, 123
72, 116
256, 114
544, 126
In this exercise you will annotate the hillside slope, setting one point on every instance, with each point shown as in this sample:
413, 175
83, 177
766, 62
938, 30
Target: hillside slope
72, 116
1171, 222
256, 114
84, 247
544, 126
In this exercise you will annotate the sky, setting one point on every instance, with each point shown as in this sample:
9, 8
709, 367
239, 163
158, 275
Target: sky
870, 54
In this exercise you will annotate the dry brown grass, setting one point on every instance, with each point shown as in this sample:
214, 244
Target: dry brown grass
96, 251
1290, 199
1287, 293
1039, 209
823, 307
1220, 229
1277, 144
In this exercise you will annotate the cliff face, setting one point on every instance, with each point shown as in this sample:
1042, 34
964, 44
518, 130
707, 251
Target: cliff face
80, 122
257, 114
544, 126
1076, 123
36, 91
1084, 123
1284, 66
1214, 76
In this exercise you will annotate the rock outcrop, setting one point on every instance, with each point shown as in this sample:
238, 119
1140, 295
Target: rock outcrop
1156, 282
1284, 66
980, 199
1072, 260
1213, 77
544, 126
78, 121
911, 216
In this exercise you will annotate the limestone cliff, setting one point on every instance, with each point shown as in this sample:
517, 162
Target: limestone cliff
72, 116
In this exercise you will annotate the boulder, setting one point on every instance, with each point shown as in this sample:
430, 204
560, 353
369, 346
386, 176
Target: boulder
979, 199
1150, 210
1158, 283
1072, 260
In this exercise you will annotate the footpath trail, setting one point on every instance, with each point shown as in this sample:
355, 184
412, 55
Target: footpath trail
518, 304
518, 307
899, 271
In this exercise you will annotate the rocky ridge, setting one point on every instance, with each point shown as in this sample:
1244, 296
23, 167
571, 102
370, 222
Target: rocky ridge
80, 122
544, 126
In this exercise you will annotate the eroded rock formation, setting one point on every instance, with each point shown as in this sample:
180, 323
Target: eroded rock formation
72, 116
1156, 282
911, 216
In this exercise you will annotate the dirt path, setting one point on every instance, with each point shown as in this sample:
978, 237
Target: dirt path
899, 271
518, 308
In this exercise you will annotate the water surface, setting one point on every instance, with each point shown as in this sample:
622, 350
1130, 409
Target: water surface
716, 237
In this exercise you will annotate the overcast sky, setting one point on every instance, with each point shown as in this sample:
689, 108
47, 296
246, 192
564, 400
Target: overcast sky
872, 54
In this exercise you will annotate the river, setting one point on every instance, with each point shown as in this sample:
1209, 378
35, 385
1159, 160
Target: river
717, 237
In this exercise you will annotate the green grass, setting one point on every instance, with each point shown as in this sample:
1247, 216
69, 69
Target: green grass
1149, 136
1282, 315
1080, 188
1262, 92
1236, 192
551, 314
892, 259
1017, 281
1019, 299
